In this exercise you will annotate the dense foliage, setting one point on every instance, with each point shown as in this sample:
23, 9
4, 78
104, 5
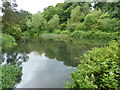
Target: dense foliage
95, 35
7, 41
67, 16
13, 21
10, 75
99, 68
76, 16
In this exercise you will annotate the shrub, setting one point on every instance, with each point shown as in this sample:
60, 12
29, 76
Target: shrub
109, 25
56, 31
81, 26
65, 32
7, 41
72, 26
10, 75
44, 31
91, 19
26, 33
95, 35
99, 68
62, 26
13, 30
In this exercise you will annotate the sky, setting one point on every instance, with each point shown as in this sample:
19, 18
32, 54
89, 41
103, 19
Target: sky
33, 6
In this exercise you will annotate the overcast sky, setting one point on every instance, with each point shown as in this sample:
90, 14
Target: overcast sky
33, 6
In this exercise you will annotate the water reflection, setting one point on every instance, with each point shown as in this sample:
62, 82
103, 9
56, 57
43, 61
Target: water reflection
63, 50
46, 63
14, 58
42, 72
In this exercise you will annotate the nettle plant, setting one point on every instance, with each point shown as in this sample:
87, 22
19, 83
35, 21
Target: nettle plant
99, 68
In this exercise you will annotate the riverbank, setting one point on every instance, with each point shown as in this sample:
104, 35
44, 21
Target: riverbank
79, 34
65, 50
95, 35
98, 68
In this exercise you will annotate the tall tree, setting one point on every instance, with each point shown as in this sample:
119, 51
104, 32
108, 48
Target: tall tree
9, 19
22, 17
53, 23
110, 7
49, 12
75, 18
8, 10
38, 23
91, 19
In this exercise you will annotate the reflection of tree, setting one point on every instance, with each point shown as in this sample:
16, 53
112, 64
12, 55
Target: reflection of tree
16, 55
16, 58
65, 51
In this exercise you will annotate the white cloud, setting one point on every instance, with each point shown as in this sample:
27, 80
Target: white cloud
33, 6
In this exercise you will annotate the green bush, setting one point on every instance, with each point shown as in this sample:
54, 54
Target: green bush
56, 31
62, 26
13, 30
109, 25
78, 34
65, 32
7, 41
95, 35
72, 26
81, 26
106, 35
26, 33
44, 31
10, 75
99, 68
36, 35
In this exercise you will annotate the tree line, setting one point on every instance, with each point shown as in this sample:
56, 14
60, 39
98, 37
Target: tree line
65, 18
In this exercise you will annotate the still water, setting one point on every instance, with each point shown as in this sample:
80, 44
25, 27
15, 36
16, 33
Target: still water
47, 63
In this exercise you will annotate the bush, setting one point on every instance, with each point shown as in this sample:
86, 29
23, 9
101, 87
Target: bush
26, 33
91, 19
13, 30
56, 31
10, 75
109, 25
72, 26
95, 35
65, 32
62, 26
81, 26
7, 41
78, 34
99, 68
44, 32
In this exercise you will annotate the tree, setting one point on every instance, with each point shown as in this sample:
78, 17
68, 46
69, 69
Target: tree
111, 8
49, 12
75, 15
22, 17
0, 24
8, 10
53, 23
37, 24
90, 20
75, 19
109, 25
10, 20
